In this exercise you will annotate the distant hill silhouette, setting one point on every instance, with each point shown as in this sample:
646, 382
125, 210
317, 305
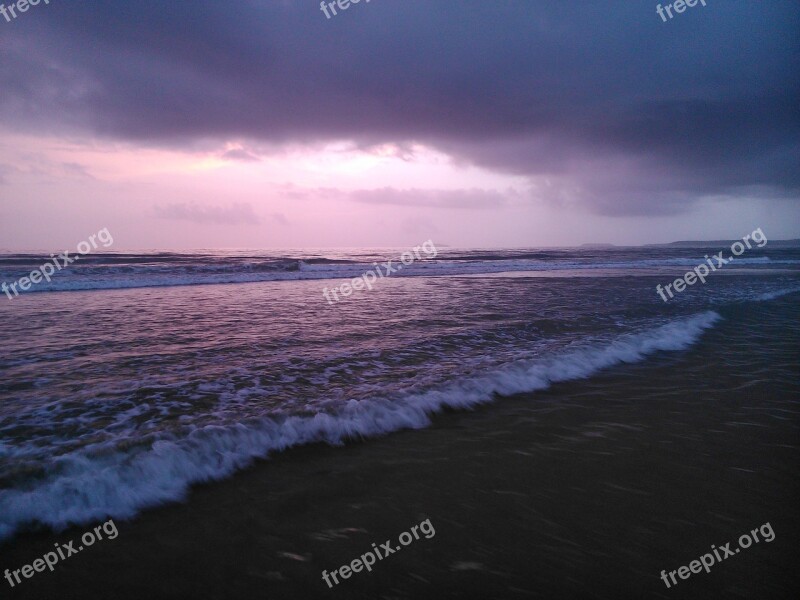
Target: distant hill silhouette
720, 243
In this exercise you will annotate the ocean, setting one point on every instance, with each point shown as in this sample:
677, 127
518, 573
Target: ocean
545, 408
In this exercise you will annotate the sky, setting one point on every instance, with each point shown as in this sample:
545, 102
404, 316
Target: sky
267, 124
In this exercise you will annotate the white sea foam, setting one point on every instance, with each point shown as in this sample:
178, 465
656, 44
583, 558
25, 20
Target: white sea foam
104, 481
777, 294
116, 277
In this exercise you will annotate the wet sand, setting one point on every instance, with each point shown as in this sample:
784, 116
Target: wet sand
586, 490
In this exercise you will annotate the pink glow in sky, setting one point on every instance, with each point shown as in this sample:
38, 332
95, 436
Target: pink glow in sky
516, 124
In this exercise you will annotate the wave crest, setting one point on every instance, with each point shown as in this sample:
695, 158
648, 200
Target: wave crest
104, 481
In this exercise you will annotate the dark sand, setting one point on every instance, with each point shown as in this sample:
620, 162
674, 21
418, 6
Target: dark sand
587, 490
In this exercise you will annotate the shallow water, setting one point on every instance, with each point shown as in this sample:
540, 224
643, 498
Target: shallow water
113, 400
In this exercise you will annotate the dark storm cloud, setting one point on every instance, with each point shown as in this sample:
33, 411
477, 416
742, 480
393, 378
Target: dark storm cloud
615, 107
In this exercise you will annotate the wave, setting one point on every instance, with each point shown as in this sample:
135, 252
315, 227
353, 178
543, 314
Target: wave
108, 481
122, 271
777, 294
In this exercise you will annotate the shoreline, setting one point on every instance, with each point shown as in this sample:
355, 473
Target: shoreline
587, 489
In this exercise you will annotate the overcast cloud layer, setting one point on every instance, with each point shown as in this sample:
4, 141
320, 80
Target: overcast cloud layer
620, 111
